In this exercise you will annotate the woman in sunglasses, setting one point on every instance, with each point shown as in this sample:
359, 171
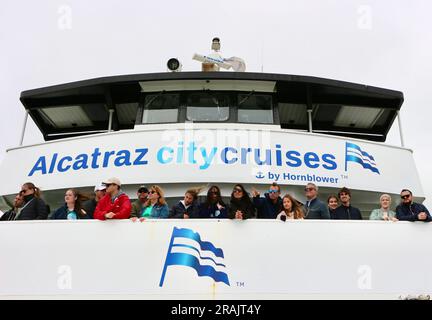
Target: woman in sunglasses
156, 206
241, 207
384, 213
213, 207
291, 209
72, 209
34, 208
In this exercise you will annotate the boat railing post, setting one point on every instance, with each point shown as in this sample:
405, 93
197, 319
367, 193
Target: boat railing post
400, 129
111, 112
23, 128
309, 111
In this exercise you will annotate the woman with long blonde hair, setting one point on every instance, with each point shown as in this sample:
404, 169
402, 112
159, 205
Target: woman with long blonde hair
290, 209
156, 206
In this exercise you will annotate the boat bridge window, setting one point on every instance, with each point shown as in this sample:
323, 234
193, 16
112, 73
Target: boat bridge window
161, 108
207, 106
255, 108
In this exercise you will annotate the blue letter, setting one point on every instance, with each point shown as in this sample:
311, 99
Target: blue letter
123, 160
310, 158
160, 155
80, 163
224, 155
328, 159
60, 164
39, 165
293, 161
207, 160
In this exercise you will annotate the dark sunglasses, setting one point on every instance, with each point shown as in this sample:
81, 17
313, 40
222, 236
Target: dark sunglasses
214, 192
237, 190
273, 191
152, 192
406, 196
309, 189
108, 184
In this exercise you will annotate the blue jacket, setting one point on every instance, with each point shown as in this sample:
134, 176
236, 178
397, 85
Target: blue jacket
62, 213
179, 209
159, 211
410, 212
266, 209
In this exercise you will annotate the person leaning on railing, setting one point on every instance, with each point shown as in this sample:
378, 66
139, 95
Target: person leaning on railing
188, 207
115, 204
11, 214
34, 208
269, 206
384, 213
241, 207
411, 211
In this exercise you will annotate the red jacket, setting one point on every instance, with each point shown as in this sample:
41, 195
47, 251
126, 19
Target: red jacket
121, 207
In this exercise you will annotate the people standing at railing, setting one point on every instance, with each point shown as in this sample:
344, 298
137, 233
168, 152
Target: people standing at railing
72, 209
188, 207
290, 209
139, 204
384, 213
411, 211
115, 204
314, 208
213, 206
241, 206
345, 211
332, 204
89, 206
11, 214
156, 206
269, 206
34, 208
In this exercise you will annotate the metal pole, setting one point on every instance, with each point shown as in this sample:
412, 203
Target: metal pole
309, 111
111, 111
23, 128
400, 129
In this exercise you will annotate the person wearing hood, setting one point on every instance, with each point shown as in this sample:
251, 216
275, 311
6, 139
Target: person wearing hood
269, 206
115, 204
241, 207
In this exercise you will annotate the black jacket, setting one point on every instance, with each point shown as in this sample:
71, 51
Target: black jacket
347, 213
246, 207
8, 215
266, 208
410, 212
34, 209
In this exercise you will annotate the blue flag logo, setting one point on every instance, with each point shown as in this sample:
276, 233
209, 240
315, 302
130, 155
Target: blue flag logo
187, 249
355, 154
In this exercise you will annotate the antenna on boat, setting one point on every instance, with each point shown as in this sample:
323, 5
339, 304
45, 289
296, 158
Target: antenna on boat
214, 61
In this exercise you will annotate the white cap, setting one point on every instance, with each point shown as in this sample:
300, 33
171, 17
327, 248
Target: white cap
99, 187
113, 181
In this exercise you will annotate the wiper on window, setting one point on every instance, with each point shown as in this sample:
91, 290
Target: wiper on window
246, 98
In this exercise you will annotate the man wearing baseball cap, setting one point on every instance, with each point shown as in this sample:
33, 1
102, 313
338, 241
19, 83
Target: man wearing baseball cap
138, 205
89, 206
115, 204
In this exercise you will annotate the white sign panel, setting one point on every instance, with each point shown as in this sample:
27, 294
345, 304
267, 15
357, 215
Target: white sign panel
218, 156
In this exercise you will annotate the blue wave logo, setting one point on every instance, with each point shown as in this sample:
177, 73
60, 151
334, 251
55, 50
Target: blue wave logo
354, 153
187, 249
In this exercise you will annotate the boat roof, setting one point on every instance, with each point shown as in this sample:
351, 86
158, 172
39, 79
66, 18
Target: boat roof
338, 107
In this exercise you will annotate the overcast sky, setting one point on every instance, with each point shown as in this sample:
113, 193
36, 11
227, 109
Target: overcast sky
381, 43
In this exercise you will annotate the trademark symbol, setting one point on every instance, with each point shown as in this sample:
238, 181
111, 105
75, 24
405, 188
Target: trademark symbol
240, 284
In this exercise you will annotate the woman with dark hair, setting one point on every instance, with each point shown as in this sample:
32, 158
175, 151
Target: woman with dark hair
332, 203
34, 208
213, 207
241, 206
290, 209
72, 209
